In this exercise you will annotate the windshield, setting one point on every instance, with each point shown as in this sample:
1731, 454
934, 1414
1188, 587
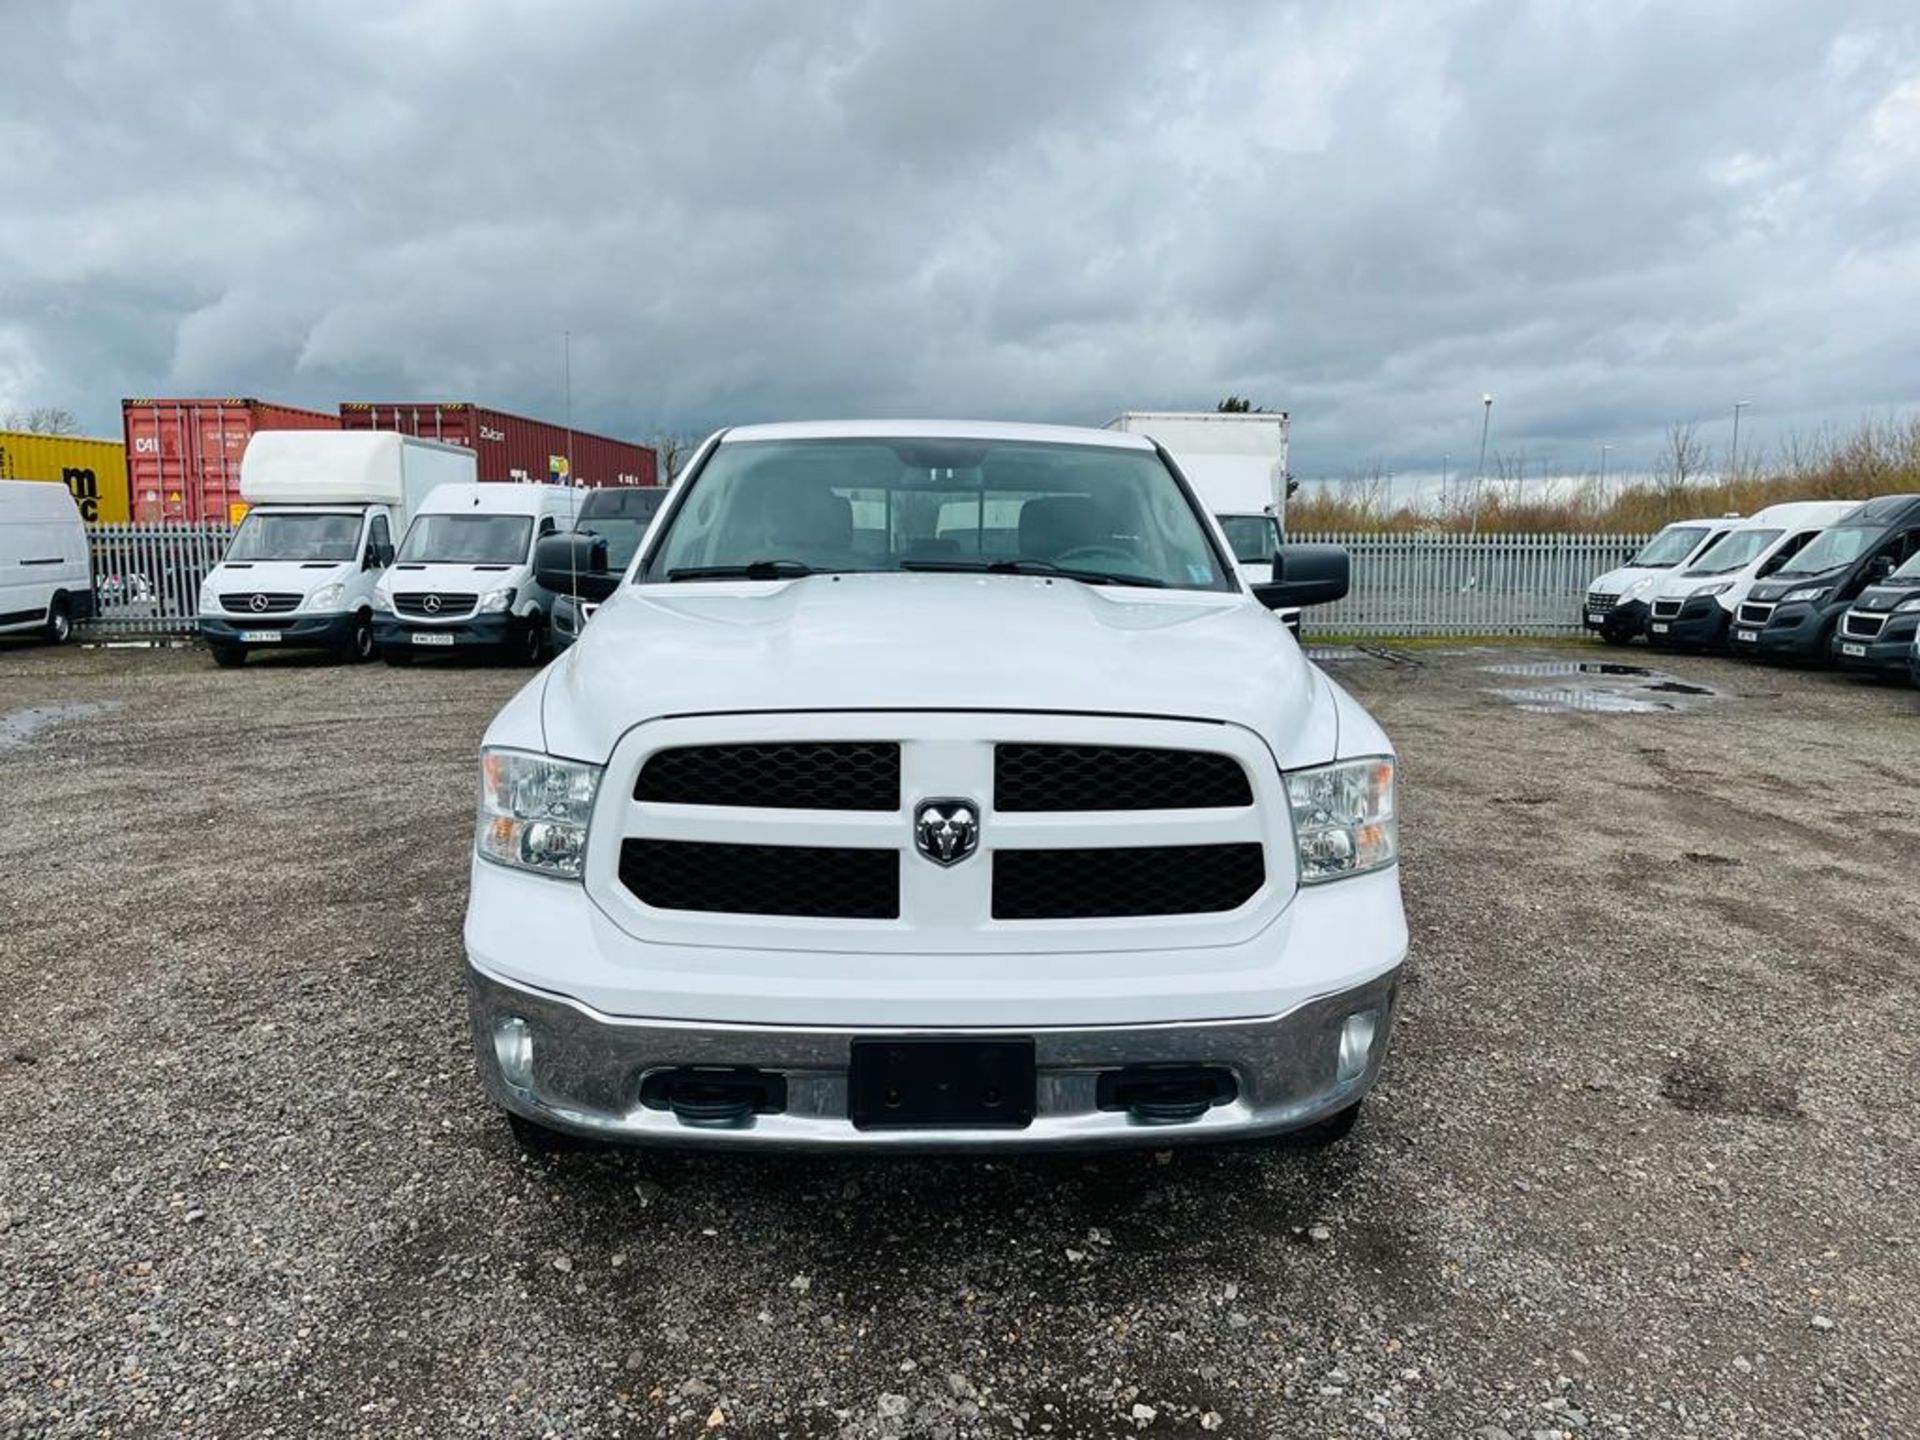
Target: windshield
1097, 513
1669, 547
1830, 549
467, 539
1734, 550
1252, 538
622, 534
292, 535
1910, 570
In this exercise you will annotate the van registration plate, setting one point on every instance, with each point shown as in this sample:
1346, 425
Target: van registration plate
431, 637
261, 637
1853, 649
1746, 636
1596, 617
1660, 627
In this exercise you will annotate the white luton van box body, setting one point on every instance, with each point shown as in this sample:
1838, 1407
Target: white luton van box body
326, 508
464, 578
1237, 465
46, 575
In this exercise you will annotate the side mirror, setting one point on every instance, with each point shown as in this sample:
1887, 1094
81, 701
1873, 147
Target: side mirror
1306, 575
574, 564
1879, 568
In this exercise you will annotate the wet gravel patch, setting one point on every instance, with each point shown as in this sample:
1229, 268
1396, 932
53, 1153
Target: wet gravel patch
1644, 1162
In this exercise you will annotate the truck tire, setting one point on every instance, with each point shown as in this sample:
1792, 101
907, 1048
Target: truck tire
533, 1138
227, 657
531, 647
359, 646
59, 626
1322, 1133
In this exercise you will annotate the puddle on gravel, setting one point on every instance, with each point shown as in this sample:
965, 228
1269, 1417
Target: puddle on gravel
1595, 687
17, 727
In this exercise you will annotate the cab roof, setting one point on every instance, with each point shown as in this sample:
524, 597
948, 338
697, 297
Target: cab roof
937, 430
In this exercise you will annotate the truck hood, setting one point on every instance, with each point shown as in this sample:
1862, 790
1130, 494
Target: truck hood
445, 575
1887, 594
1679, 587
947, 642
286, 577
1614, 582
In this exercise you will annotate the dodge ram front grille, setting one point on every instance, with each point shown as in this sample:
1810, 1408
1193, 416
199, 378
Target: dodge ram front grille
817, 881
1127, 881
1114, 777
248, 602
435, 604
849, 775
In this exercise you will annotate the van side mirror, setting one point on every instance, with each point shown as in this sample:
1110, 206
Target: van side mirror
1879, 568
574, 564
1306, 575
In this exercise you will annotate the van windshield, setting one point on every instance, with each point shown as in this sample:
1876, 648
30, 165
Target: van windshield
1831, 549
1096, 513
464, 539
1734, 550
1669, 547
295, 535
1252, 538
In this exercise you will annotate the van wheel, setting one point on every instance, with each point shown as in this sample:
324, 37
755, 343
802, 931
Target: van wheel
533, 640
360, 641
1615, 637
227, 657
1323, 1133
59, 628
397, 658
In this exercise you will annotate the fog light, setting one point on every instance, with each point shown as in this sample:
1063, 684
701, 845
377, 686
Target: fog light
1356, 1044
513, 1050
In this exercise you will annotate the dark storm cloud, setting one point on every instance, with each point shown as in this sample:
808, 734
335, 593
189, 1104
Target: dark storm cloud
1610, 215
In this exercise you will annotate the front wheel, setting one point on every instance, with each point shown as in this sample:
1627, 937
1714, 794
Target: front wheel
1615, 637
359, 646
397, 658
59, 627
531, 648
227, 657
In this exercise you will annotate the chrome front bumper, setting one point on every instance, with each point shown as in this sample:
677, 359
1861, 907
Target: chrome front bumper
586, 1072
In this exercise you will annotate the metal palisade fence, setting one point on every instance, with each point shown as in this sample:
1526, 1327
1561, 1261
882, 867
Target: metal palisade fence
147, 580
1454, 584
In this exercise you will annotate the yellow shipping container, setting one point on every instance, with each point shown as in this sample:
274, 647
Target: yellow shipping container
94, 470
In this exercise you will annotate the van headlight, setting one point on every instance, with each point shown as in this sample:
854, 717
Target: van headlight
326, 595
209, 595
1810, 592
1638, 588
495, 601
1344, 821
1720, 589
1911, 603
383, 595
534, 811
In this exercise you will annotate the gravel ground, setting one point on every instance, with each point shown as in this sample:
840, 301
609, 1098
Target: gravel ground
1644, 1162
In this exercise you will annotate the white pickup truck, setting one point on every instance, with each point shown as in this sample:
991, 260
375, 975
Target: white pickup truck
937, 785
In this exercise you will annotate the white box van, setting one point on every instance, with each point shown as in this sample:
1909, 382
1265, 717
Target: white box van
46, 573
327, 507
464, 577
1694, 608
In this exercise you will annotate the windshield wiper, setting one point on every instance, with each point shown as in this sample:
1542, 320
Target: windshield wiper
752, 570
1032, 567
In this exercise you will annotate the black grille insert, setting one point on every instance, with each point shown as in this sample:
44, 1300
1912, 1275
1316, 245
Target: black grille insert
817, 881
434, 602
1132, 880
1115, 777
242, 603
842, 775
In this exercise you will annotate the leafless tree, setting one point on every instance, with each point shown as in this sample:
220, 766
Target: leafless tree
674, 451
43, 420
1683, 461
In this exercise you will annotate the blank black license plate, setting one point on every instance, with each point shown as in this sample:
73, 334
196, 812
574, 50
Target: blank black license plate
915, 1082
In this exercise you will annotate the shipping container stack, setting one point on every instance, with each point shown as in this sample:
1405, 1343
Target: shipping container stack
183, 456
511, 448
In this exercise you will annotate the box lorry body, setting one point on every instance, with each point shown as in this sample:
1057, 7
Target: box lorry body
46, 573
324, 513
933, 785
463, 579
94, 471
184, 455
1237, 465
509, 447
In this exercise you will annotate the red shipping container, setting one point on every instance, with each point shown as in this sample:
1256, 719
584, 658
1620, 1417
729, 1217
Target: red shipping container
511, 447
183, 456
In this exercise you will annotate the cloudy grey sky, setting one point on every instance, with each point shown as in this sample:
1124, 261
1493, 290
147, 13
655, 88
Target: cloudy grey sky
1610, 215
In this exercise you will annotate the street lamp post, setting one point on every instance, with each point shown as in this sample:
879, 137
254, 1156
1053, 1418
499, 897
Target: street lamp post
1480, 475
1603, 468
1733, 455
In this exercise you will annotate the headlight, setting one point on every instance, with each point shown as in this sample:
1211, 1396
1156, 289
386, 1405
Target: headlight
209, 597
1811, 592
1911, 603
326, 595
534, 811
1343, 818
495, 601
1638, 588
383, 596
1720, 589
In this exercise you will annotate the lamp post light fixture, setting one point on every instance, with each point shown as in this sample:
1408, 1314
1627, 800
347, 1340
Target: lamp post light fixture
1733, 454
1480, 475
